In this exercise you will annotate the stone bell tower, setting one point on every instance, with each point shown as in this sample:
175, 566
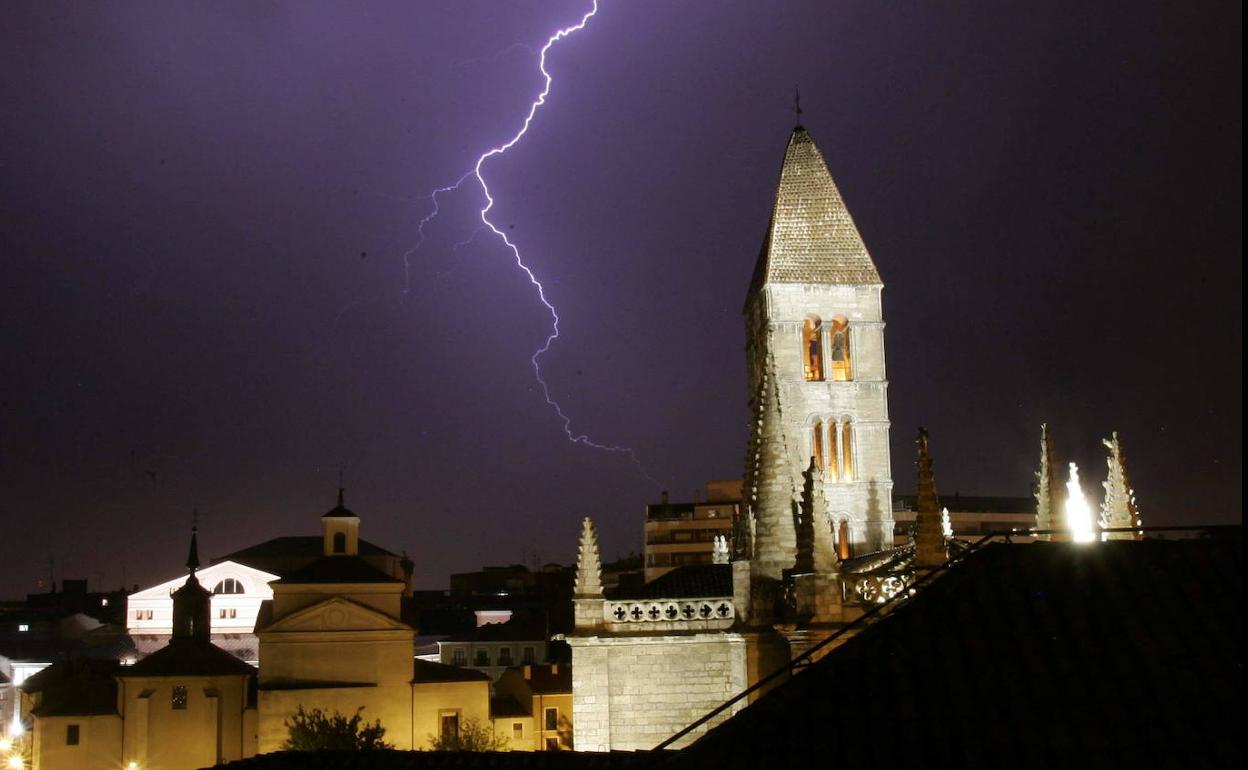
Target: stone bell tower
815, 353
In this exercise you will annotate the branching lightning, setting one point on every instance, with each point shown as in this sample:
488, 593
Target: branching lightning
486, 223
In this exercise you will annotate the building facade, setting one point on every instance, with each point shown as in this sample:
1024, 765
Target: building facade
677, 534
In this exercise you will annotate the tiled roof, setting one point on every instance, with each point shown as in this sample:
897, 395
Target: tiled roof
188, 657
550, 679
338, 569
300, 546
811, 237
77, 687
692, 581
507, 706
428, 671
1116, 654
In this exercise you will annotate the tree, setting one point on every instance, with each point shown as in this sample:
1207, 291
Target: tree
312, 730
471, 736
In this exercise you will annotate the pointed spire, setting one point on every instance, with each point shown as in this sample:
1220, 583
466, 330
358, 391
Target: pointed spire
1048, 515
775, 543
1118, 510
929, 540
815, 507
192, 557
588, 562
811, 238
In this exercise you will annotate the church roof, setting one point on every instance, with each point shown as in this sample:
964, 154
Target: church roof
1118, 654
188, 657
338, 569
293, 547
811, 238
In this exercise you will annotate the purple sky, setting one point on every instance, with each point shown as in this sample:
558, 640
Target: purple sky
204, 209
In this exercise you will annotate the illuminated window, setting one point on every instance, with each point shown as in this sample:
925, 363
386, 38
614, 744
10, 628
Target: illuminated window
847, 452
227, 612
834, 451
23, 627
178, 698
838, 350
816, 443
812, 348
842, 540
228, 586
517, 730
340, 542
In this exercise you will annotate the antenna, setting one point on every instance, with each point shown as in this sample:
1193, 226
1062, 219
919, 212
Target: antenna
797, 105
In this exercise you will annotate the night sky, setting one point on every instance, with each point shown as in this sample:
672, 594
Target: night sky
204, 209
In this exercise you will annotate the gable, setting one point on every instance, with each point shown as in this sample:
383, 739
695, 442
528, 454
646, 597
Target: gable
336, 614
255, 582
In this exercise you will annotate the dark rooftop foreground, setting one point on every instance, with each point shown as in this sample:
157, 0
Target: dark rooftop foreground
1041, 655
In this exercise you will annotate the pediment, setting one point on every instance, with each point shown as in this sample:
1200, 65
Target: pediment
336, 614
255, 582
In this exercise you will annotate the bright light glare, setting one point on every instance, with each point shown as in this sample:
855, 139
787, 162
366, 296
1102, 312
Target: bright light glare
1078, 515
16, 762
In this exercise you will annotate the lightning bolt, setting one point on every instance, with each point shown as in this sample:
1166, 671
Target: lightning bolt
476, 174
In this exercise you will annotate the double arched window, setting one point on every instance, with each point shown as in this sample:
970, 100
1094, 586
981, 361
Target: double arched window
826, 349
832, 446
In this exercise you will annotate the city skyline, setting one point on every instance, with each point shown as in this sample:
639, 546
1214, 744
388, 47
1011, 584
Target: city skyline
206, 224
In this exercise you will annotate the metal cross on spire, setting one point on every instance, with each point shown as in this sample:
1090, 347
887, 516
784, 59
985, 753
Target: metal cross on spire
797, 105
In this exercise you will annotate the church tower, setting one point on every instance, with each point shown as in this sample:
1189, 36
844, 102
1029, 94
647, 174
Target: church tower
815, 349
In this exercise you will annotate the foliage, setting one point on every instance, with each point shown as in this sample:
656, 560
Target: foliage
312, 730
472, 736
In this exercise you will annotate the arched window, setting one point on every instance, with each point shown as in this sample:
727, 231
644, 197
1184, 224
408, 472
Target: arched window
838, 350
834, 451
843, 548
340, 542
812, 348
847, 451
228, 586
816, 443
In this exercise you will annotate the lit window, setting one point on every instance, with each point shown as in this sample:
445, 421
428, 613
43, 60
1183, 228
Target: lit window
71, 735
228, 586
23, 627
517, 730
847, 452
834, 451
178, 698
812, 348
227, 612
838, 349
816, 443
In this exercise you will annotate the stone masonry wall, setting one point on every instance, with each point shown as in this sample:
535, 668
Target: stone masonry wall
631, 693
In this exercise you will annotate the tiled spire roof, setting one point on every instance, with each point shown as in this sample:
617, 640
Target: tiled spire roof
811, 237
